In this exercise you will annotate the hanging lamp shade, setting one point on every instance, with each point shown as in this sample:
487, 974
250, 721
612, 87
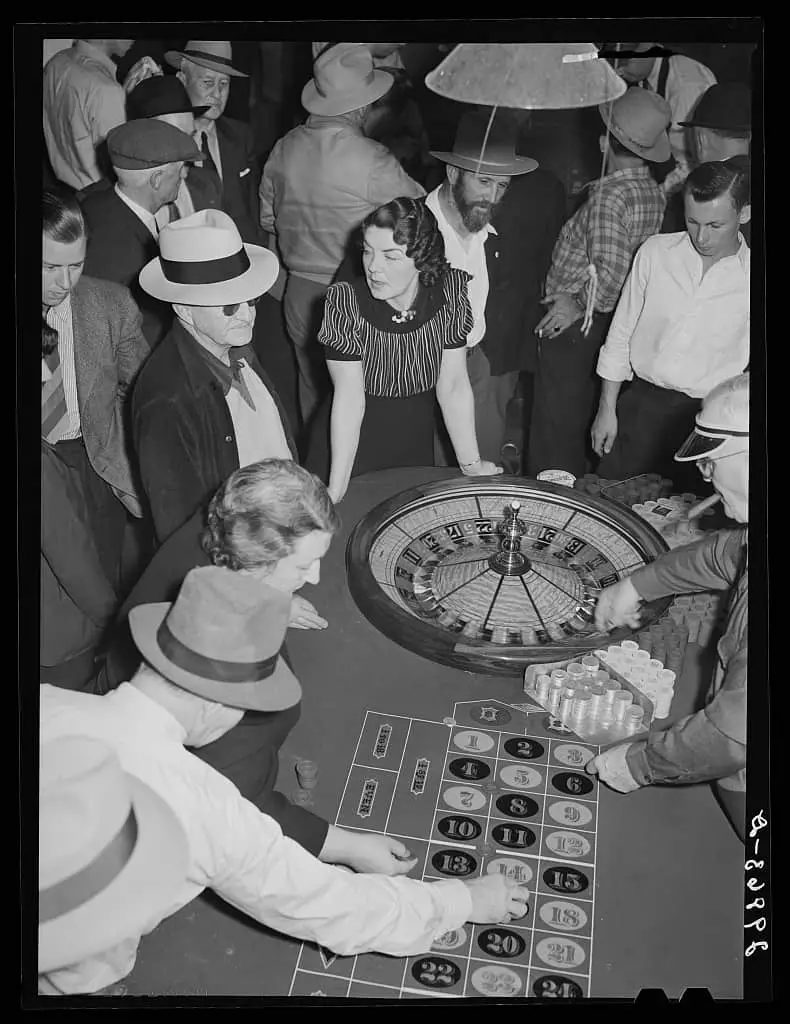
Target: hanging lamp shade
529, 76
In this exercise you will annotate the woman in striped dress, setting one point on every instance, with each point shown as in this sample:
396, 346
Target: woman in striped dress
394, 336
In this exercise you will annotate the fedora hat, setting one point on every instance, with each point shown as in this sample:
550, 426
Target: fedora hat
726, 105
157, 95
215, 54
498, 155
344, 79
112, 854
203, 262
639, 120
221, 640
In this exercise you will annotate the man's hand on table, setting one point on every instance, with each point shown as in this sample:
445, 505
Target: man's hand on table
612, 768
369, 853
496, 900
304, 615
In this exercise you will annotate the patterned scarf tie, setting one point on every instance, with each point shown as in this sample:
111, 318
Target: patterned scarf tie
54, 414
238, 382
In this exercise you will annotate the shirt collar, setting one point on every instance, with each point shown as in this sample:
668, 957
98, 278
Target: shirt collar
625, 173
98, 55
220, 372
139, 211
743, 254
143, 706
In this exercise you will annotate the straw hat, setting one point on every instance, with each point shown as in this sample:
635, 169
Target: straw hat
500, 147
215, 54
639, 119
344, 79
221, 640
203, 262
112, 853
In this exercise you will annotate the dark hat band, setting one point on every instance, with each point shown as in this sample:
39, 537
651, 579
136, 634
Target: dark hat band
72, 892
189, 54
212, 668
206, 271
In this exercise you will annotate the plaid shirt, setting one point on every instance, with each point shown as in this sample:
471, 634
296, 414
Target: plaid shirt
631, 209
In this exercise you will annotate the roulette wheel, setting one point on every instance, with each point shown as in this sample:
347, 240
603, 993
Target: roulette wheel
490, 575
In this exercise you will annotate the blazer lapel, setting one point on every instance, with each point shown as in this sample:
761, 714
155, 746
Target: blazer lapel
87, 344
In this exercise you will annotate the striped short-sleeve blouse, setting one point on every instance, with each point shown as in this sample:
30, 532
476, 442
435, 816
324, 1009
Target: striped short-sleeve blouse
398, 360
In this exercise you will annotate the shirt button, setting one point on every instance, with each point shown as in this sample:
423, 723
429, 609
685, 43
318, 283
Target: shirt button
229, 438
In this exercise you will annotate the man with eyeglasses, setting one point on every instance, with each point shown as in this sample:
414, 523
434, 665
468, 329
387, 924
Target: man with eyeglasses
711, 744
204, 407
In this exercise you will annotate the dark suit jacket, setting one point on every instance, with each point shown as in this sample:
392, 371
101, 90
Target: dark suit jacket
518, 258
183, 431
119, 246
241, 174
109, 349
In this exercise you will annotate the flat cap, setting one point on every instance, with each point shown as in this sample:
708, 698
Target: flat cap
149, 143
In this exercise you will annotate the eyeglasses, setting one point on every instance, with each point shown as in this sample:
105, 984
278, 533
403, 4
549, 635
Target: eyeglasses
706, 465
234, 307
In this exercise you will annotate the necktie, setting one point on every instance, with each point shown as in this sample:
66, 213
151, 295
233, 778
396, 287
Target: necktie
236, 361
646, 85
173, 213
208, 159
54, 414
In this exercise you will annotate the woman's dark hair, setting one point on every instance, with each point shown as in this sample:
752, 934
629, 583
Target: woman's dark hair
261, 510
414, 226
718, 178
62, 216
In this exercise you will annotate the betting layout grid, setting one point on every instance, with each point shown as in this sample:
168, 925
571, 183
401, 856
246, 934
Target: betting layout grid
510, 796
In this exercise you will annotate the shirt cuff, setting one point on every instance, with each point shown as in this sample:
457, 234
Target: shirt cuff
457, 904
611, 368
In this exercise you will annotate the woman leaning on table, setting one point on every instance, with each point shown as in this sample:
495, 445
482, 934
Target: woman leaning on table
394, 335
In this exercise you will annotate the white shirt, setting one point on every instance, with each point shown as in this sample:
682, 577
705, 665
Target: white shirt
213, 143
240, 852
183, 203
82, 101
60, 318
467, 254
259, 431
675, 328
687, 80
148, 218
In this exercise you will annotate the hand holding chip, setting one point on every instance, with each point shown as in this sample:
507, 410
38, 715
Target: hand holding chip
496, 899
612, 768
618, 606
369, 853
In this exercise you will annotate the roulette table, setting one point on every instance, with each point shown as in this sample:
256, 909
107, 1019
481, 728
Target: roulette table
668, 870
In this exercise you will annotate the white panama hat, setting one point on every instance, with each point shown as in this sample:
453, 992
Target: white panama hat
203, 262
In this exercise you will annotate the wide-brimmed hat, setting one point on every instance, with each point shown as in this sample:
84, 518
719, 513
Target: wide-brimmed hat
221, 640
639, 119
160, 94
498, 155
344, 79
215, 54
203, 262
727, 105
112, 853
722, 424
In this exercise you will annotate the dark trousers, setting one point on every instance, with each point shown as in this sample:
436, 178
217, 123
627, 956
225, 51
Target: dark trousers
652, 423
564, 398
106, 513
733, 803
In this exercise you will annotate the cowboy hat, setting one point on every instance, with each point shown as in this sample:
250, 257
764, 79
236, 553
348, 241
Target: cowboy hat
344, 79
215, 54
494, 155
112, 853
221, 640
203, 262
726, 106
639, 120
722, 424
157, 95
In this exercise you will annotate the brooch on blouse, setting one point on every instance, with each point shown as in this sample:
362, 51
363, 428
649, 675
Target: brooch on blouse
404, 316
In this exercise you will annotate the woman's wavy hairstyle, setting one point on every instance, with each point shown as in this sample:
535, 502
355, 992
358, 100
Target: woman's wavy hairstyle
414, 226
62, 217
261, 510
717, 178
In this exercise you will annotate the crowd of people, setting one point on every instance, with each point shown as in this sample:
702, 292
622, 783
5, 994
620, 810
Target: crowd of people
228, 340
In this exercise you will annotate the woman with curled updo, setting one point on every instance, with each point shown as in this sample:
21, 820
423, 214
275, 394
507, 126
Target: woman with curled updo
395, 326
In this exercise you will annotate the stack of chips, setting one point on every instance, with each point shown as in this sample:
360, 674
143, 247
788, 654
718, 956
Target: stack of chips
646, 487
307, 774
